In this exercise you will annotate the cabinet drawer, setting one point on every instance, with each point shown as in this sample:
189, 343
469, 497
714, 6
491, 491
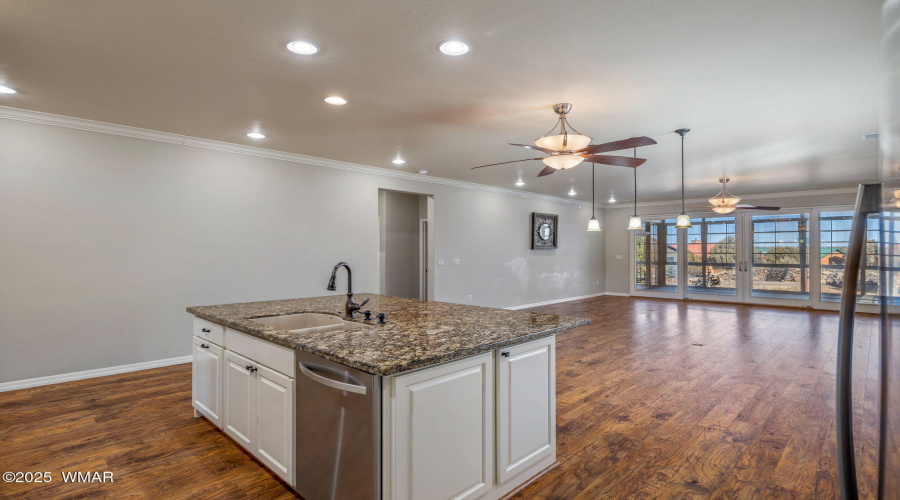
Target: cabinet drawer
210, 331
276, 357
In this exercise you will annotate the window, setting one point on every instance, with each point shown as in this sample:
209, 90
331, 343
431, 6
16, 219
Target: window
834, 228
711, 256
656, 256
780, 256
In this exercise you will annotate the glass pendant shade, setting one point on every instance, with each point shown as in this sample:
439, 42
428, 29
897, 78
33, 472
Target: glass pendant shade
635, 223
562, 162
723, 209
725, 200
593, 224
682, 221
555, 142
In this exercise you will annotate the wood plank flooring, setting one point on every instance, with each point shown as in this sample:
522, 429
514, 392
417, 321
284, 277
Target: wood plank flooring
656, 399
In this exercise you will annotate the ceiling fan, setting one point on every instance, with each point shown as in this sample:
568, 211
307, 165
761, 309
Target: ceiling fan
725, 202
568, 150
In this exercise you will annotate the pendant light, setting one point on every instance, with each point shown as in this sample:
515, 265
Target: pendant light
593, 224
635, 223
683, 221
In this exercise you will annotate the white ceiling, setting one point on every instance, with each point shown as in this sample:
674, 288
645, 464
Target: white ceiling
776, 93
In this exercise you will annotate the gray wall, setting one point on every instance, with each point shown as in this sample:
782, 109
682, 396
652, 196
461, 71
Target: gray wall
401, 221
618, 243
104, 240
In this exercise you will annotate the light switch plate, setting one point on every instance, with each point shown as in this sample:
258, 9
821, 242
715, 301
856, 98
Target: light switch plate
440, 262
456, 262
620, 257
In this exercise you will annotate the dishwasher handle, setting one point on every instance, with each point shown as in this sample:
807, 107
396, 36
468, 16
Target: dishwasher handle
343, 386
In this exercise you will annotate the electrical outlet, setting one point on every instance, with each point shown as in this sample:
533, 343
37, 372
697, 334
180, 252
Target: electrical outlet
455, 262
440, 262
598, 282
620, 257
470, 298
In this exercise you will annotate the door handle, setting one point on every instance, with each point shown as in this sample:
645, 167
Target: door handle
868, 201
334, 384
204, 346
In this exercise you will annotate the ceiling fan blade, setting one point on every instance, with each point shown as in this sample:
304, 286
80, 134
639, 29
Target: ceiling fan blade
744, 206
619, 161
546, 171
634, 142
536, 148
505, 162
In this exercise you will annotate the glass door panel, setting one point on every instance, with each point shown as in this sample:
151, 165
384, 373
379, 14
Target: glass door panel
711, 256
834, 230
656, 257
779, 256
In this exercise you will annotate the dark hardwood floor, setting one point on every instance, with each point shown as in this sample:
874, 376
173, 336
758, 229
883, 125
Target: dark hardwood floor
657, 399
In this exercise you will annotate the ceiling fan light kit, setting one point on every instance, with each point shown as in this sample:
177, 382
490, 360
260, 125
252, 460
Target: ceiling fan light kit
568, 147
683, 221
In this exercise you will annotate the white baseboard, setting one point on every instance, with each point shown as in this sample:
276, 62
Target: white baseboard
556, 301
618, 294
112, 370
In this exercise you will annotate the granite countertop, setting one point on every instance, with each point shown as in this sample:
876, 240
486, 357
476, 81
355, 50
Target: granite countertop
416, 334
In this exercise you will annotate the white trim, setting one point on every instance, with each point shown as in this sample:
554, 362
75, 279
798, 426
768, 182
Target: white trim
556, 301
184, 140
785, 194
618, 294
100, 372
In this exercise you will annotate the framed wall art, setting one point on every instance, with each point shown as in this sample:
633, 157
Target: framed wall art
543, 231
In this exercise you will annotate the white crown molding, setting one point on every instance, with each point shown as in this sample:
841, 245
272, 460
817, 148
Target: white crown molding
100, 372
761, 196
184, 140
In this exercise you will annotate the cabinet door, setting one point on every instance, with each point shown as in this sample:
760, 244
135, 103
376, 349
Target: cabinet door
275, 425
240, 407
206, 375
526, 406
442, 429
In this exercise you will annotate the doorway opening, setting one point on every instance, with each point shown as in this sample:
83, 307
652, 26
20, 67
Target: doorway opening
406, 246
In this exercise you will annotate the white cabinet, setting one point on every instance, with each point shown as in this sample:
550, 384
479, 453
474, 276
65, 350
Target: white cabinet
259, 412
441, 423
526, 407
275, 422
206, 375
240, 400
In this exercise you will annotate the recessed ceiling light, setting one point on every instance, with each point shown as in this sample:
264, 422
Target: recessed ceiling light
256, 135
337, 101
520, 183
398, 161
301, 47
612, 199
423, 172
866, 137
453, 48
572, 192
6, 90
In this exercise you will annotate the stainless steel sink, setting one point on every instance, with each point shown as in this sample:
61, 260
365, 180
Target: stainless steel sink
304, 322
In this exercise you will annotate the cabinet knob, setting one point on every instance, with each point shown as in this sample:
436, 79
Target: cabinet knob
505, 354
250, 368
204, 346
204, 330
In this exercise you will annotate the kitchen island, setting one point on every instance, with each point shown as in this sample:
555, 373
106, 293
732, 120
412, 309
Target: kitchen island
440, 401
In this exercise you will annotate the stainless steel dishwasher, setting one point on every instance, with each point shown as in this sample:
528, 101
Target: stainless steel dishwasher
338, 431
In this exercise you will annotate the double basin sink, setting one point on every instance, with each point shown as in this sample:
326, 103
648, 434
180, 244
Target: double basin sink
305, 322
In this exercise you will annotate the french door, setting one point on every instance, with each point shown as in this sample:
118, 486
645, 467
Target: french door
793, 257
776, 260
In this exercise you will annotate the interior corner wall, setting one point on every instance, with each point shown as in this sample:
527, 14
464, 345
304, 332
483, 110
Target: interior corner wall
619, 244
105, 239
